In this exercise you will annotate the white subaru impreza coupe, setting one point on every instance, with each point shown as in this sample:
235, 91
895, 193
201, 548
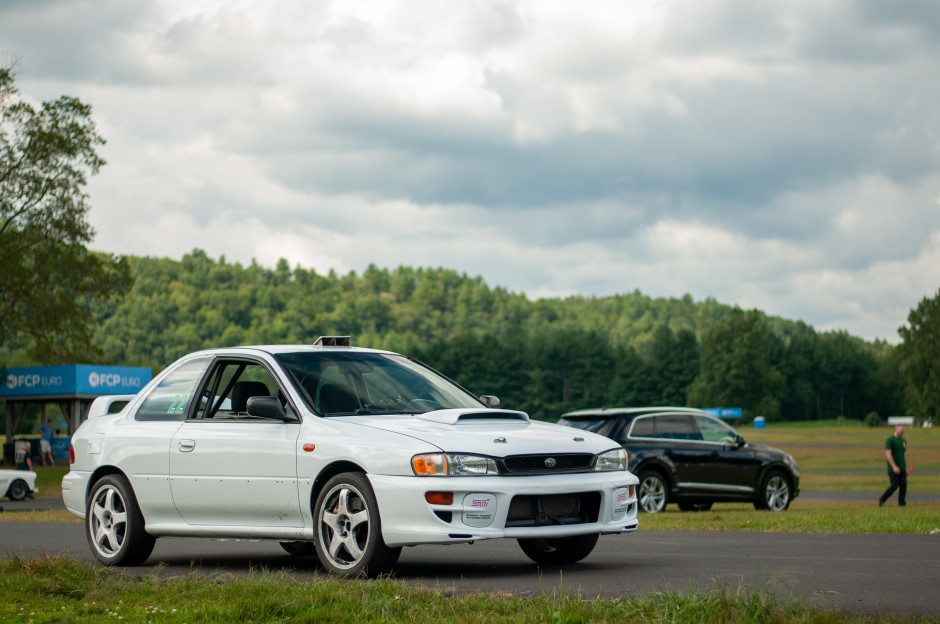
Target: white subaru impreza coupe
343, 452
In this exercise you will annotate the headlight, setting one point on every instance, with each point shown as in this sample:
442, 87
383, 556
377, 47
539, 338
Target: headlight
452, 465
615, 459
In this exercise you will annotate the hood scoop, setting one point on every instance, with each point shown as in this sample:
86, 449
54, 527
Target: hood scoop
469, 417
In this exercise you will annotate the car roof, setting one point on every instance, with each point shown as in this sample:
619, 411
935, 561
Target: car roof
611, 412
286, 348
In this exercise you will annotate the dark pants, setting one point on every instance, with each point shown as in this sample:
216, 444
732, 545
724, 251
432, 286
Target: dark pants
898, 482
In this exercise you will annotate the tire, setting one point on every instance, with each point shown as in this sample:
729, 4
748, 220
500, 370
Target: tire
349, 529
299, 549
18, 490
559, 551
695, 506
653, 493
775, 492
114, 525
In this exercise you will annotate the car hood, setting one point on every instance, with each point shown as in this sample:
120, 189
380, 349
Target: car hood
487, 432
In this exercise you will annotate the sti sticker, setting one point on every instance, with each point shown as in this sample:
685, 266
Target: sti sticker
479, 509
620, 504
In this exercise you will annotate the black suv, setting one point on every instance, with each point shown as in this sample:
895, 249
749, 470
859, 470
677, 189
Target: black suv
686, 456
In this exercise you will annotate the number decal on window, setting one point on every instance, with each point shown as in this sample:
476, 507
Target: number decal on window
179, 401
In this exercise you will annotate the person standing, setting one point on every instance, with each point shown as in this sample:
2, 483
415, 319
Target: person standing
895, 447
45, 442
21, 458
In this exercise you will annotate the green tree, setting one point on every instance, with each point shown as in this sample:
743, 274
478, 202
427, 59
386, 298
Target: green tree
737, 366
920, 358
49, 276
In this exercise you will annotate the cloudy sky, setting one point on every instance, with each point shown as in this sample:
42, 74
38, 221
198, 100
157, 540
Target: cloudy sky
775, 155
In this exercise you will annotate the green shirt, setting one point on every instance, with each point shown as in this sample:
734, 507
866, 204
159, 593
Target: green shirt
897, 446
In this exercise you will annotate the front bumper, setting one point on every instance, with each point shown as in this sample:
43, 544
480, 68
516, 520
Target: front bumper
481, 507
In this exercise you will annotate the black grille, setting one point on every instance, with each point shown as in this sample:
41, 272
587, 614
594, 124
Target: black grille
549, 464
577, 508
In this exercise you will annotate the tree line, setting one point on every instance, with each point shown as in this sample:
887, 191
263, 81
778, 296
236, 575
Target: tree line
544, 356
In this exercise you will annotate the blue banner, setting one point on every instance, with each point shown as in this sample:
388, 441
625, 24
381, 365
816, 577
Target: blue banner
725, 412
73, 379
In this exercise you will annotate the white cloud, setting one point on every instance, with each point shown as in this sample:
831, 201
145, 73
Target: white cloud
784, 157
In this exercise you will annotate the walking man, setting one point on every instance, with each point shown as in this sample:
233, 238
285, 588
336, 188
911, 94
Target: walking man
895, 446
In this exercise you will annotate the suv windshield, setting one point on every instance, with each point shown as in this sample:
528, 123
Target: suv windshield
337, 383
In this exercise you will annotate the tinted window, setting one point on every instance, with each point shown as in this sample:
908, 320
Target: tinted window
171, 398
594, 425
643, 428
676, 427
117, 406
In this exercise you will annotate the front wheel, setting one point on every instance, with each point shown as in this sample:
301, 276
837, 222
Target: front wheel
349, 530
558, 551
114, 525
774, 493
653, 493
18, 490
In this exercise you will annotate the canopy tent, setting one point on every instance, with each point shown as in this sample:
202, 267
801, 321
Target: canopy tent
70, 386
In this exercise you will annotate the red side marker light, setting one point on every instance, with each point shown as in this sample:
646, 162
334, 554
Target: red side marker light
308, 447
439, 498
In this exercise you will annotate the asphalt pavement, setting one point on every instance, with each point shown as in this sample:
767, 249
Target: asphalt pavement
867, 573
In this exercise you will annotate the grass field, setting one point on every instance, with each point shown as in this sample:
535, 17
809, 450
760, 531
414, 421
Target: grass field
851, 458
59, 589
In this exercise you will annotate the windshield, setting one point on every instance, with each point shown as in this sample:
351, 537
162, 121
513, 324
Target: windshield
338, 383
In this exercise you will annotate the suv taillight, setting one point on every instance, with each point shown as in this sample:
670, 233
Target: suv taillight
71, 454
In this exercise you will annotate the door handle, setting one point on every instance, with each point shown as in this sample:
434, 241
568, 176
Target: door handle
186, 446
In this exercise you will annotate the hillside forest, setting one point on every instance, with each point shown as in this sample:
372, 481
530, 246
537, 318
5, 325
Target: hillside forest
544, 356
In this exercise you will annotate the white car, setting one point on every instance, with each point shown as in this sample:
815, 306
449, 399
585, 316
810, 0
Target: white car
18, 484
342, 452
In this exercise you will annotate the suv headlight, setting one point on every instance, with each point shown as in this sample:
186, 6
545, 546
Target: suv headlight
453, 465
608, 461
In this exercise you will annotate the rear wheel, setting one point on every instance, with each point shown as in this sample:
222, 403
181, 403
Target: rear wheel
695, 506
558, 551
349, 530
653, 493
18, 490
114, 525
775, 493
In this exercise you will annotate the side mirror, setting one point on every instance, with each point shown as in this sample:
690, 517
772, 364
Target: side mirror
739, 441
489, 400
267, 407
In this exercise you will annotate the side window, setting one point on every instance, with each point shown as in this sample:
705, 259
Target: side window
676, 427
229, 387
170, 399
714, 430
642, 428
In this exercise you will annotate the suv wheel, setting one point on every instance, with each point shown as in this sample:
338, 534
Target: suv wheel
774, 493
653, 493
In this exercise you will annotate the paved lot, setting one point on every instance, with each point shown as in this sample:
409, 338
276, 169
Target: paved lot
868, 573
